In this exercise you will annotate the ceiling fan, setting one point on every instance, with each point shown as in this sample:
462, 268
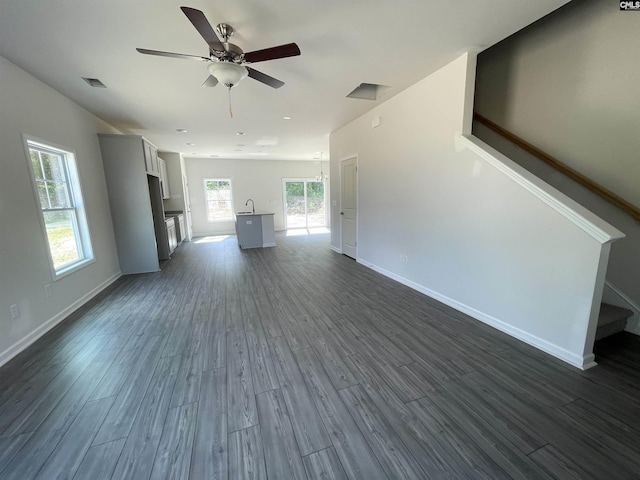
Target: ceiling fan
228, 64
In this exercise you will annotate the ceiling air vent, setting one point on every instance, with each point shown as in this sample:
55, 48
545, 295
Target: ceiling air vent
94, 82
368, 91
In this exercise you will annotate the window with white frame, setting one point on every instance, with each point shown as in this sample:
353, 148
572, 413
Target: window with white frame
217, 192
57, 188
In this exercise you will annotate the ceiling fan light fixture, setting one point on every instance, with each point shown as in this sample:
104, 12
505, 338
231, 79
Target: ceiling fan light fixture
228, 73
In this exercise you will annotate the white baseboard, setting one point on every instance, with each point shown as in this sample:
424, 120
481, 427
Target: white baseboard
34, 335
336, 249
269, 244
620, 299
582, 362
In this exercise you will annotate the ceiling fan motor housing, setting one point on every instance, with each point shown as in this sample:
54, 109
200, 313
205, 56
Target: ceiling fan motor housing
231, 52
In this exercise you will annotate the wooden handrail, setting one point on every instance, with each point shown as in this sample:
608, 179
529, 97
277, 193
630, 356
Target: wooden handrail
558, 165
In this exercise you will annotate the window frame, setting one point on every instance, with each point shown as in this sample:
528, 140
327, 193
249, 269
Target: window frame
305, 180
206, 199
76, 199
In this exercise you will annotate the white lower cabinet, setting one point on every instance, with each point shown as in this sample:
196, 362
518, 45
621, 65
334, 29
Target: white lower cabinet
171, 233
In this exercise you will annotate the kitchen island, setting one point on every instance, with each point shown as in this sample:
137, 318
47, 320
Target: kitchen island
255, 229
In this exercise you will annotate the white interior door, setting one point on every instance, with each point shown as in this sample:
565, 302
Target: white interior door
349, 206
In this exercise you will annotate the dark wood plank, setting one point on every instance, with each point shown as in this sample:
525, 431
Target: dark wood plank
489, 406
215, 346
242, 409
187, 386
460, 446
246, 456
27, 394
35, 452
9, 446
137, 457
100, 461
558, 466
306, 422
262, 369
547, 423
113, 380
69, 453
352, 448
40, 406
173, 459
123, 413
282, 455
489, 440
329, 355
210, 454
268, 317
396, 460
434, 459
324, 464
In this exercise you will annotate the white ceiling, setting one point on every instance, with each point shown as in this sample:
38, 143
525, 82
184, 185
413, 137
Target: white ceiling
343, 43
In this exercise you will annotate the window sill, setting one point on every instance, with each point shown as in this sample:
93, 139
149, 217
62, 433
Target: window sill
58, 274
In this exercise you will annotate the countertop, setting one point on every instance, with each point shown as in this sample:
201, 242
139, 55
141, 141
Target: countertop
248, 214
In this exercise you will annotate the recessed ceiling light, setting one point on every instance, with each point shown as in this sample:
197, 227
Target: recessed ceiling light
241, 133
213, 156
181, 130
189, 143
286, 117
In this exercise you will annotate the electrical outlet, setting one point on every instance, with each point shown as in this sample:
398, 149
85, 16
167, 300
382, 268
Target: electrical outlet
47, 290
15, 312
405, 259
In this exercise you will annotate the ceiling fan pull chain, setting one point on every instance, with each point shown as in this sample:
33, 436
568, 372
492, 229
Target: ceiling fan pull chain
230, 110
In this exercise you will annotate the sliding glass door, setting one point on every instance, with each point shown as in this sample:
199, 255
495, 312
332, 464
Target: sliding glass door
305, 203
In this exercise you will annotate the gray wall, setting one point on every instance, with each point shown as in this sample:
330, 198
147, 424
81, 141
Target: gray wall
28, 106
473, 237
568, 84
260, 180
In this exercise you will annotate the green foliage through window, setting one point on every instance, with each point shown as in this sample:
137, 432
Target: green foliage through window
55, 191
218, 199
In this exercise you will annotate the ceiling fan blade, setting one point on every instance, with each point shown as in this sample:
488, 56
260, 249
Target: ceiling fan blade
264, 78
197, 18
281, 51
173, 55
211, 81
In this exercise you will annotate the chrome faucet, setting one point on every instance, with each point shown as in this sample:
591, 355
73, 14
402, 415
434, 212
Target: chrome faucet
253, 207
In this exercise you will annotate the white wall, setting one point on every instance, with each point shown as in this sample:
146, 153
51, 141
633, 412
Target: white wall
568, 84
174, 173
624, 260
260, 180
29, 106
474, 238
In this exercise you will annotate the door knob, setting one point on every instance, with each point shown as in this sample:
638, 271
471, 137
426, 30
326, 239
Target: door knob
341, 213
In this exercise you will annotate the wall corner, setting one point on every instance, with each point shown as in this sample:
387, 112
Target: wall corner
469, 92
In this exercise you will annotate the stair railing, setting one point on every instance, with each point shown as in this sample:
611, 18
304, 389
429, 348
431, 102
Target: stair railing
594, 187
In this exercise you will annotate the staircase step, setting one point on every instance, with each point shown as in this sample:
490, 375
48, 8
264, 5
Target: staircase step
612, 319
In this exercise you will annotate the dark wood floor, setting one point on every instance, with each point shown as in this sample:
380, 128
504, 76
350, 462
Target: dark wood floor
296, 362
